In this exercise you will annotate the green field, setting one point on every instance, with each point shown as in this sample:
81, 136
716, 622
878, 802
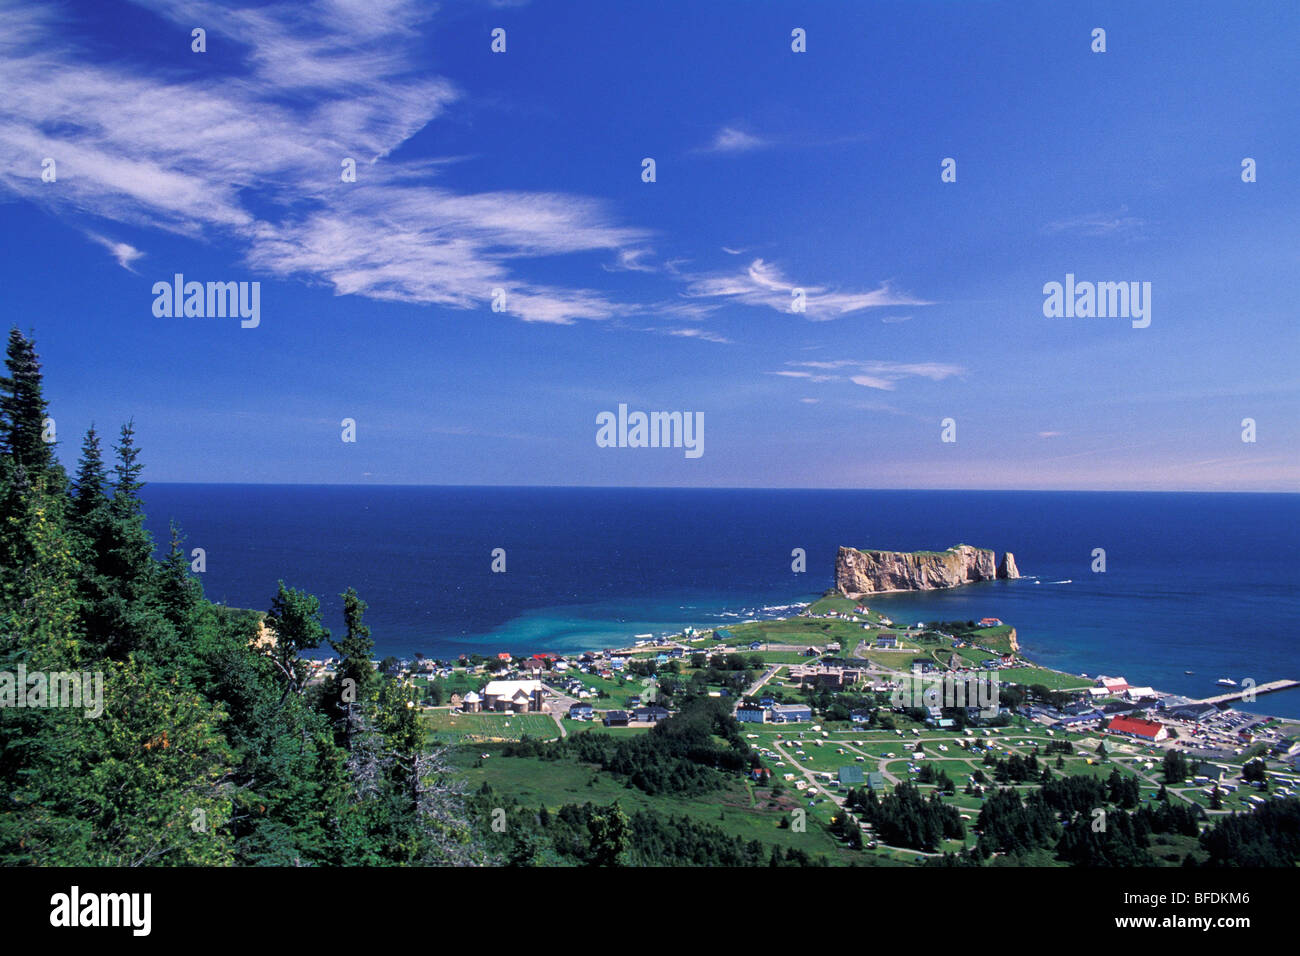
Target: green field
749, 813
1055, 680
446, 726
900, 660
971, 655
798, 631
581, 726
994, 638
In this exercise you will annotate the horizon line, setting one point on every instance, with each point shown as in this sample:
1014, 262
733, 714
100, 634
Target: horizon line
1099, 491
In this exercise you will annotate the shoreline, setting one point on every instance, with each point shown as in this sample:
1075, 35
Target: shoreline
665, 641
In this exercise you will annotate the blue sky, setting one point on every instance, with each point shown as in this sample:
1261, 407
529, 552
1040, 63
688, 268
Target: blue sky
775, 169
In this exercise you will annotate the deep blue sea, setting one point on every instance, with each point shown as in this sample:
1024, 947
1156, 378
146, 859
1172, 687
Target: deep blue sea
1203, 582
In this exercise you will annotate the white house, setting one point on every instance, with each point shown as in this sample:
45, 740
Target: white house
519, 696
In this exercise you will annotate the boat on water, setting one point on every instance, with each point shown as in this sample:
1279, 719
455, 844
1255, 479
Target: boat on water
1187, 672
1226, 682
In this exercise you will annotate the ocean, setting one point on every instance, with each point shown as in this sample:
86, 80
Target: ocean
1208, 583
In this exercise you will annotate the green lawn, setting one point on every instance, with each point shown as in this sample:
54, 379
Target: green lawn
447, 726
798, 631
1055, 680
995, 638
780, 657
972, 655
900, 660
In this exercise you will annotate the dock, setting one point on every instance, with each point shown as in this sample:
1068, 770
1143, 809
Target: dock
1241, 692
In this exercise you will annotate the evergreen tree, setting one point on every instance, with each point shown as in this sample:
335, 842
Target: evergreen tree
90, 487
294, 621
1176, 767
609, 836
23, 409
355, 650
120, 615
207, 750
127, 470
180, 592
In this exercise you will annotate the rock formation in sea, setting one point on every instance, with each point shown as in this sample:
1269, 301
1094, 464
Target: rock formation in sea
1007, 567
866, 572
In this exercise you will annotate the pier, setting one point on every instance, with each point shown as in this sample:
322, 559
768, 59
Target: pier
1243, 691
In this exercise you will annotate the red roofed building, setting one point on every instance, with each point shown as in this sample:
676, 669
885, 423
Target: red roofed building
1137, 727
504, 656
990, 622
1115, 685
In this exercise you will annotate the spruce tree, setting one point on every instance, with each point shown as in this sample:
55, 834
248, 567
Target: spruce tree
179, 592
120, 614
23, 408
90, 487
355, 649
37, 559
126, 474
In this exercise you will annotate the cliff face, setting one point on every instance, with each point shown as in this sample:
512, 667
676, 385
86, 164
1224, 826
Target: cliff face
863, 572
1007, 568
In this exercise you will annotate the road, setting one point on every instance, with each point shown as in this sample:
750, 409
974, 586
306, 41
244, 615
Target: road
752, 689
559, 707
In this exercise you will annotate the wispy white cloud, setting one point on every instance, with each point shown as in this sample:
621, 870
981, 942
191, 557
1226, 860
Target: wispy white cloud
255, 159
1117, 223
250, 156
884, 376
790, 373
123, 252
702, 334
762, 284
732, 139
632, 260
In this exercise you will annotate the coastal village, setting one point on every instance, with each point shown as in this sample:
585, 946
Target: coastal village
817, 696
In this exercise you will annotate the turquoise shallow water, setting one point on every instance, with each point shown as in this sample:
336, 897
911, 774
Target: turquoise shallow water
1198, 582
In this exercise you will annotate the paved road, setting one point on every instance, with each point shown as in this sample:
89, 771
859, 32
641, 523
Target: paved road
559, 707
752, 689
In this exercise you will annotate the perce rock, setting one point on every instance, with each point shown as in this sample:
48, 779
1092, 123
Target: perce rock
866, 572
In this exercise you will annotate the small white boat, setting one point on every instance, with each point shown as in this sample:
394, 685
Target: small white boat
1226, 682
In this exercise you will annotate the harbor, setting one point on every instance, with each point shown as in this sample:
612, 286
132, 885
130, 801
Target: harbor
1253, 691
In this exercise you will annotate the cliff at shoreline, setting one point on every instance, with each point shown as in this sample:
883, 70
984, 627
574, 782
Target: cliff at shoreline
867, 572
